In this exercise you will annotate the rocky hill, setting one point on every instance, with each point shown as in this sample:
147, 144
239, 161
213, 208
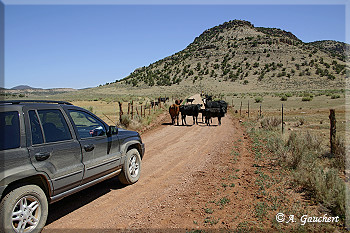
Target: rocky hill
238, 56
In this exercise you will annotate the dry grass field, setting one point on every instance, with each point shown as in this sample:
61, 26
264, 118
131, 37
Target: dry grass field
298, 115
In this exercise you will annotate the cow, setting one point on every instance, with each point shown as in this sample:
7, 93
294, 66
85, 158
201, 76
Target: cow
190, 110
216, 104
174, 111
209, 97
154, 103
190, 100
163, 99
210, 113
214, 109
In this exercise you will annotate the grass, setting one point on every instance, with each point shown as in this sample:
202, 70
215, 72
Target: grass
311, 166
208, 210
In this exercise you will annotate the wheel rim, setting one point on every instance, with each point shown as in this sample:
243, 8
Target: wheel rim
26, 214
134, 166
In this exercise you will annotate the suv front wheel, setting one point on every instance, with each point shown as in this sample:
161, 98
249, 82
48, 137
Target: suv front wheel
131, 168
24, 209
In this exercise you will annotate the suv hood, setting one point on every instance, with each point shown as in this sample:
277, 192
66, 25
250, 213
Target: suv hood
127, 133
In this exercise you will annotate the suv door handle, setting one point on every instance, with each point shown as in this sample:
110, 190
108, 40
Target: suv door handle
89, 147
42, 156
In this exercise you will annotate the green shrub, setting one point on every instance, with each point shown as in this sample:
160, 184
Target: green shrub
125, 120
335, 96
324, 186
284, 98
258, 99
319, 179
306, 98
339, 157
270, 123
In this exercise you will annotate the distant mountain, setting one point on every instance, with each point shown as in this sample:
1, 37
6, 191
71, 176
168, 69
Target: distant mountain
236, 53
24, 87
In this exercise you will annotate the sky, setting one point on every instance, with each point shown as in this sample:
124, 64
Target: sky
80, 45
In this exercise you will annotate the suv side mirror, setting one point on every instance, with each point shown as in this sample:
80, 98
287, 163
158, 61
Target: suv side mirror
112, 130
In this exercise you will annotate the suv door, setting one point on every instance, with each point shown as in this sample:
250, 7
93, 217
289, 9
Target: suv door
54, 149
101, 152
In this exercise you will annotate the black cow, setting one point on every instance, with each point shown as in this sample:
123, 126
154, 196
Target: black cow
214, 109
209, 97
163, 99
190, 110
210, 113
217, 104
190, 100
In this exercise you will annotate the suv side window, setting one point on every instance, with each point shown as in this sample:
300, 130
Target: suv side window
10, 134
37, 134
54, 125
87, 125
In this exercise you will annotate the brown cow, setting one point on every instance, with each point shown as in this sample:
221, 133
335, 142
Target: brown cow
174, 111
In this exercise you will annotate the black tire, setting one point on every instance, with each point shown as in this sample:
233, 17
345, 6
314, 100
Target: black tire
29, 204
131, 168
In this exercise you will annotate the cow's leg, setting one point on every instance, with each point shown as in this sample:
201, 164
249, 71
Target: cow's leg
177, 119
219, 119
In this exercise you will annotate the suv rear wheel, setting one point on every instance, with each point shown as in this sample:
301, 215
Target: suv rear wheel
131, 168
24, 209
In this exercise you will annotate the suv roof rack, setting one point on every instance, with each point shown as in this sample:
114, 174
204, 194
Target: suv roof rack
33, 101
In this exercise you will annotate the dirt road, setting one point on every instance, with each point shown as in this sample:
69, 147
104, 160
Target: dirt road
187, 173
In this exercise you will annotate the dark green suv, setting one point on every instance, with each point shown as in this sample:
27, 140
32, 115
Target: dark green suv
51, 149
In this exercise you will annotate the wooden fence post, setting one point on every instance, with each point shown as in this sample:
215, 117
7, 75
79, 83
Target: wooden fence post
128, 108
248, 108
282, 120
333, 130
120, 111
260, 110
240, 110
132, 109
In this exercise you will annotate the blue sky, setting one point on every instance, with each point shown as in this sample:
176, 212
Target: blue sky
79, 46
